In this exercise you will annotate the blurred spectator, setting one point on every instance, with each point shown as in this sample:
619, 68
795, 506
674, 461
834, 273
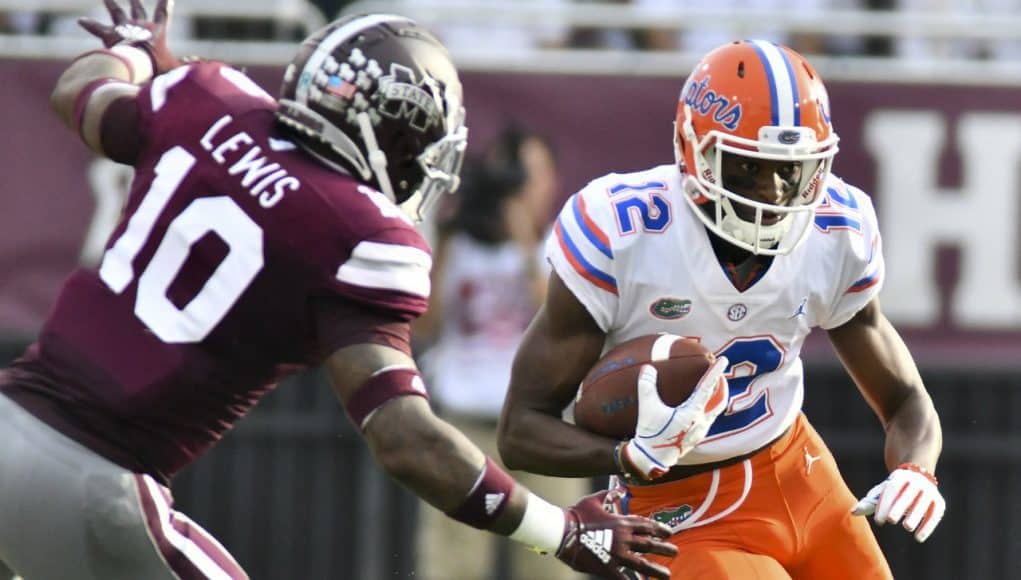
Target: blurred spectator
920, 47
66, 25
528, 156
878, 45
331, 8
459, 35
263, 20
18, 22
605, 37
703, 39
488, 280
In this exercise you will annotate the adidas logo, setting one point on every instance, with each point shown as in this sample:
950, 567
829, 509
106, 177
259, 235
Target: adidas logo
493, 502
598, 542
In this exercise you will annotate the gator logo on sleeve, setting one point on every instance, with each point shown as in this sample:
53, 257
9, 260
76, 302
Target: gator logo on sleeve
669, 308
673, 517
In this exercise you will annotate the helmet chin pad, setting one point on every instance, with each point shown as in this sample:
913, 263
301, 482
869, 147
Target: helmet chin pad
717, 213
753, 232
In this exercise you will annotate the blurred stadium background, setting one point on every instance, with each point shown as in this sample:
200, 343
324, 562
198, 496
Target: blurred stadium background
925, 94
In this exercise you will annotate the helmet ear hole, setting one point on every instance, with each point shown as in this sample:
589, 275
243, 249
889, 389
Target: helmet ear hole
405, 175
406, 148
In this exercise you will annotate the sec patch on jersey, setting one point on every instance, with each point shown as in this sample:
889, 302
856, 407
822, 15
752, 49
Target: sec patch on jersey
607, 402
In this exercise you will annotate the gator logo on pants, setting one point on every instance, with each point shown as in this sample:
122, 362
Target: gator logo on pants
673, 516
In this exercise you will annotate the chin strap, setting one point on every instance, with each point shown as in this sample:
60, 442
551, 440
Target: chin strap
377, 159
754, 233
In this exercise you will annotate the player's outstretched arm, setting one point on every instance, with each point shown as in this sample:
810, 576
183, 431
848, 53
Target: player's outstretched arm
383, 394
880, 364
87, 90
134, 49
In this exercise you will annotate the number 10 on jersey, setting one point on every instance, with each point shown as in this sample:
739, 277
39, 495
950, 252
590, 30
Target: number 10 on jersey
219, 215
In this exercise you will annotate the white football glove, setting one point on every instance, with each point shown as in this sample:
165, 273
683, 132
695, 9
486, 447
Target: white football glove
908, 494
665, 434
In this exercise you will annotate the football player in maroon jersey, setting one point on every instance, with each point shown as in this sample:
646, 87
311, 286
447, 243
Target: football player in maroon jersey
261, 236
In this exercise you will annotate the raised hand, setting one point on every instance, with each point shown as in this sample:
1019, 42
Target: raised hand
138, 30
665, 434
607, 545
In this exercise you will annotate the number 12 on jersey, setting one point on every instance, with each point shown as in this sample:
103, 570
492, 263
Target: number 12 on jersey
651, 211
750, 358
219, 215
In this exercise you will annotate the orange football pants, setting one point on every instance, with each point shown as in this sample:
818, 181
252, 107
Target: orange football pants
794, 521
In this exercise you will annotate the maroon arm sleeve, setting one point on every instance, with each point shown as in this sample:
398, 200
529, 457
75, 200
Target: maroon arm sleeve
120, 134
341, 323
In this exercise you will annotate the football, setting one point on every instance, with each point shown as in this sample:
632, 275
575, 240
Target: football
607, 401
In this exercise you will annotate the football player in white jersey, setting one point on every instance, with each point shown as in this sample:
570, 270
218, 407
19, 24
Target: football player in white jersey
746, 243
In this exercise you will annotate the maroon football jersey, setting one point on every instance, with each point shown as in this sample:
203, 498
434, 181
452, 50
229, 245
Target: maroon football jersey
239, 258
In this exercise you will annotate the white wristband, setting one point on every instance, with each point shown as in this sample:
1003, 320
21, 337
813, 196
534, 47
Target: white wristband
141, 62
542, 526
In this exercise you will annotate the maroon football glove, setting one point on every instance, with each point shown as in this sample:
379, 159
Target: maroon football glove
608, 545
139, 31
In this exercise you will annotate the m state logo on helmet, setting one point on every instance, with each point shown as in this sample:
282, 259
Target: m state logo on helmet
759, 100
376, 96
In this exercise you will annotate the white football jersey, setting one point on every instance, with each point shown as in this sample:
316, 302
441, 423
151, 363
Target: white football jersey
632, 251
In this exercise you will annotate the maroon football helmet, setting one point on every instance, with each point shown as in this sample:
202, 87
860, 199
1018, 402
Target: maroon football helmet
377, 96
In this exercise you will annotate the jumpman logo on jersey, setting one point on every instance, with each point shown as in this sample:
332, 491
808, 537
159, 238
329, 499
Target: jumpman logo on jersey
810, 460
801, 309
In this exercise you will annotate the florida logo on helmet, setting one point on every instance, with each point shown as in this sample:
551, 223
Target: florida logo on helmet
789, 137
704, 101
